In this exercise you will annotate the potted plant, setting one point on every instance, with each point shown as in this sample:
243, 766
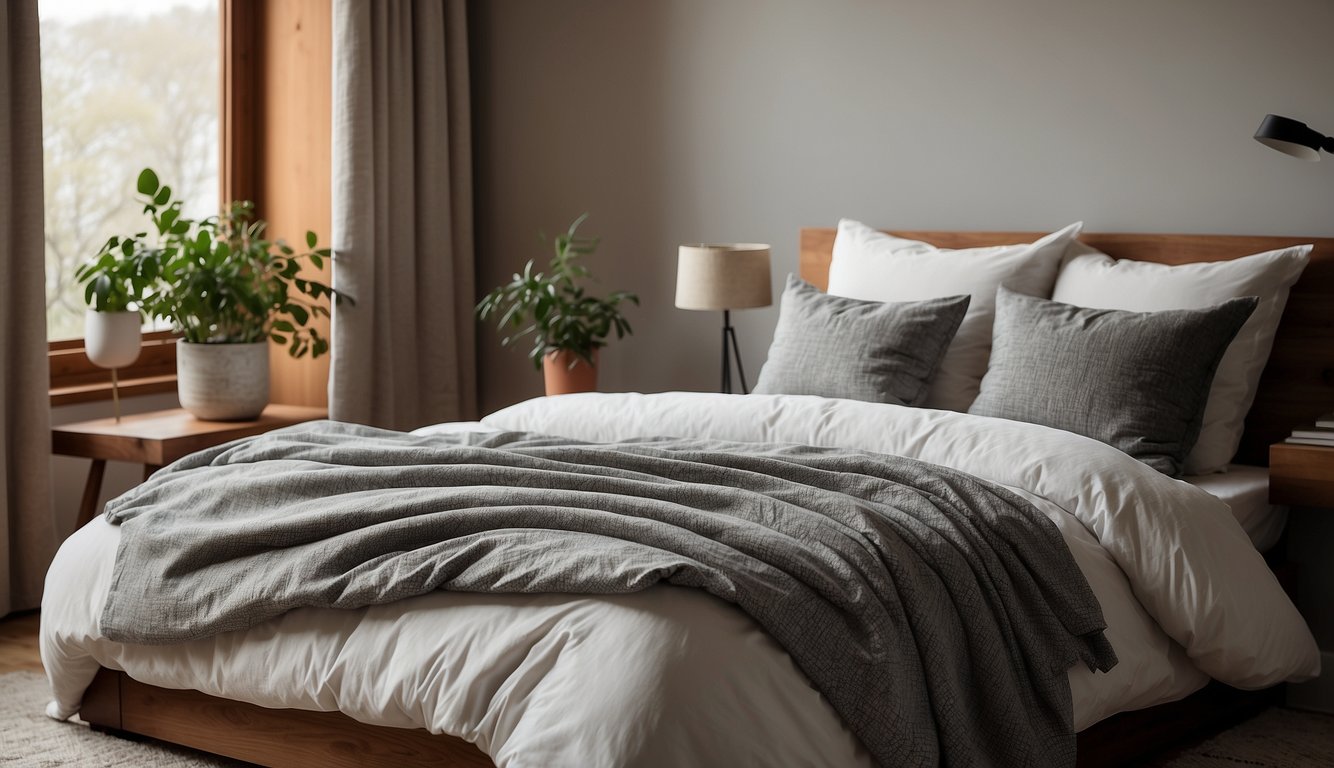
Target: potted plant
568, 326
115, 282
228, 291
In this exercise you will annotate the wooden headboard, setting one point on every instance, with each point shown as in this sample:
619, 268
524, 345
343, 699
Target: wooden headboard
1298, 382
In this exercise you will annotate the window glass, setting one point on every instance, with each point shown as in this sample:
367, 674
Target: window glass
125, 85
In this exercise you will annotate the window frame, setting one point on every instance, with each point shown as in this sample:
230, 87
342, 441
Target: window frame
73, 377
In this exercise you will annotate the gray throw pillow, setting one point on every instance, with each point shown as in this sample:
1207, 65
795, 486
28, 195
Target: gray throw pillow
1137, 381
860, 350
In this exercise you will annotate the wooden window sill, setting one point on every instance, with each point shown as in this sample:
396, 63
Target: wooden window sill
87, 393
74, 379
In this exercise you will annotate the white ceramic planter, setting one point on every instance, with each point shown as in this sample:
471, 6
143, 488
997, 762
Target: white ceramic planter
223, 382
112, 339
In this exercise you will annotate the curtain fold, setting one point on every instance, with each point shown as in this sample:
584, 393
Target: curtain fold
27, 527
404, 355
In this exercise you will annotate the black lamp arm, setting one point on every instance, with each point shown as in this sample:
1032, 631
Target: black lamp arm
1293, 137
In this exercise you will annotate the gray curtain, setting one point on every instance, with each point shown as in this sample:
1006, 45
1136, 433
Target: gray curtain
404, 355
27, 530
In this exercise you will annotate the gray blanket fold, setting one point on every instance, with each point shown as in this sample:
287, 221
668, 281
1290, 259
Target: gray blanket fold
937, 613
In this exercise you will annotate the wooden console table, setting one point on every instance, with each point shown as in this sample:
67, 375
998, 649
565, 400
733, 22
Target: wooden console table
158, 438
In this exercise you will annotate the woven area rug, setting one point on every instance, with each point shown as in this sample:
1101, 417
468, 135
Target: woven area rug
30, 739
1276, 738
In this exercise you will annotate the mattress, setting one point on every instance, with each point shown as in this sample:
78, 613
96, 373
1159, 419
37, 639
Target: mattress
1245, 489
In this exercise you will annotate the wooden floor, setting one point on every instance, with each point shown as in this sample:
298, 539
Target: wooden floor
18, 643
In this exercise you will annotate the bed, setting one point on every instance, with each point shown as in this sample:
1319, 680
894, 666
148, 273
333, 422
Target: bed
397, 674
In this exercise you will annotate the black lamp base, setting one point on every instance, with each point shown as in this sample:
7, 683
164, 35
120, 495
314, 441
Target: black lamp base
731, 351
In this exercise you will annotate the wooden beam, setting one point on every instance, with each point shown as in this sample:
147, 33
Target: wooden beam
295, 187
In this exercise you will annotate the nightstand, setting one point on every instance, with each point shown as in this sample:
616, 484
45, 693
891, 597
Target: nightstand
158, 438
1301, 475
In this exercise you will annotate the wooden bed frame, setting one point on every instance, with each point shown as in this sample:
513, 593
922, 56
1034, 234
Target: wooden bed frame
1297, 385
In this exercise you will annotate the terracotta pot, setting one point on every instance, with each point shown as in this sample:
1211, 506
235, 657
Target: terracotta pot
223, 382
564, 379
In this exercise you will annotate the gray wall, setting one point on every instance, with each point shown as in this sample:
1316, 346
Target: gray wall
744, 120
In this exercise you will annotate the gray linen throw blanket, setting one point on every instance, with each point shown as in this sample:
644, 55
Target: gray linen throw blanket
937, 613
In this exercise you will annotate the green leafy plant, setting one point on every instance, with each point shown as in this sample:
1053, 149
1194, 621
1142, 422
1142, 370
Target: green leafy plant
216, 280
554, 308
117, 279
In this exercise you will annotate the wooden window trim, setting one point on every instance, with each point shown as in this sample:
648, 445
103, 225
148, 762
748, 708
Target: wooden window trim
241, 100
74, 379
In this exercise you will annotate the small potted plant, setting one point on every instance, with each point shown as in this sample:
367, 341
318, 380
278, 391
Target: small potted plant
568, 326
227, 290
115, 282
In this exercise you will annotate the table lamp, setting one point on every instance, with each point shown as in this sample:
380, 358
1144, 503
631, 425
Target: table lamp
727, 277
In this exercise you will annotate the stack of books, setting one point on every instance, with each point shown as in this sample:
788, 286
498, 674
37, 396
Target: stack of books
1321, 433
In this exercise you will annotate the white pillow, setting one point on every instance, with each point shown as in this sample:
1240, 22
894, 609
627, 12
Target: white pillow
873, 266
1093, 279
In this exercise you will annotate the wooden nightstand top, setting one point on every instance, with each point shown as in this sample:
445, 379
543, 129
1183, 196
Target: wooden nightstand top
162, 437
1301, 475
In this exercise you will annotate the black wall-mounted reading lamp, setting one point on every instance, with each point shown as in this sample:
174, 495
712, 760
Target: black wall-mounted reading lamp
1293, 138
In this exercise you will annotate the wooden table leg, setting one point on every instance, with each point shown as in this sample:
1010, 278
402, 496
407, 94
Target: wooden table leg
149, 469
92, 489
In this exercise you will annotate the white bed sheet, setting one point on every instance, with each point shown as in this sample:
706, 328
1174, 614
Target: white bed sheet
1245, 489
674, 676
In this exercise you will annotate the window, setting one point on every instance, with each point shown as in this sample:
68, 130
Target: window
124, 86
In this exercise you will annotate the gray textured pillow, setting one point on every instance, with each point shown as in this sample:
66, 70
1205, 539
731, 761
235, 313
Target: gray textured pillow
1137, 381
860, 350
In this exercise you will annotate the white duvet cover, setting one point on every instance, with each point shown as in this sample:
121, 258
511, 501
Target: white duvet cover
673, 676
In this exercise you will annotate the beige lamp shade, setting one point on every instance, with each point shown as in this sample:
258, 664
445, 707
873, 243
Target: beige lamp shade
723, 276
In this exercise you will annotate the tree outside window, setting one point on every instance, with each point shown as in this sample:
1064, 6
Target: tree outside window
124, 86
